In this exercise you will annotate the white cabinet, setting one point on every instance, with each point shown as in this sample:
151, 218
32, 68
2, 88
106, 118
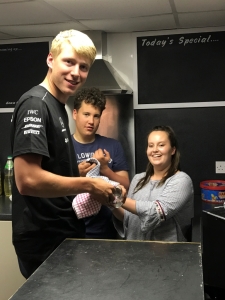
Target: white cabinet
10, 276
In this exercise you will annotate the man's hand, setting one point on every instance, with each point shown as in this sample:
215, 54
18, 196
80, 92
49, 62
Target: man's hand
103, 156
84, 167
102, 191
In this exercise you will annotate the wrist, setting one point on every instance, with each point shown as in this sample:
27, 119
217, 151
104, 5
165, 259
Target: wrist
87, 184
104, 170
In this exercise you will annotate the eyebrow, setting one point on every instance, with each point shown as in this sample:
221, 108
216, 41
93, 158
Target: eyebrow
158, 142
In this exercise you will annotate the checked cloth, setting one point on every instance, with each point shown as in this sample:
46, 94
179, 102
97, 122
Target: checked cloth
83, 204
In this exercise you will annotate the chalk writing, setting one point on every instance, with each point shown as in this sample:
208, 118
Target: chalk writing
10, 49
157, 42
10, 103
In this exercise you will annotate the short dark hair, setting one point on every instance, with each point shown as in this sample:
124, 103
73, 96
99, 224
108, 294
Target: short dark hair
175, 160
91, 96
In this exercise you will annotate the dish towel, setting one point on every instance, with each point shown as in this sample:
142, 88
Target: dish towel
83, 204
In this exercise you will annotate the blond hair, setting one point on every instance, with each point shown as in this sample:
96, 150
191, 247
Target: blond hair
81, 43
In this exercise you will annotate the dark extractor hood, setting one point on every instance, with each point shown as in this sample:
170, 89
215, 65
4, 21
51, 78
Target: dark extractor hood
102, 74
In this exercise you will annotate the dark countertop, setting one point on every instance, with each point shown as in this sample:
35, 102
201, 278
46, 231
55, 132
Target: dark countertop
109, 270
200, 207
217, 211
5, 209
213, 247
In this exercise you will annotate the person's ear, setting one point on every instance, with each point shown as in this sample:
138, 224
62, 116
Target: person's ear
75, 114
50, 60
173, 151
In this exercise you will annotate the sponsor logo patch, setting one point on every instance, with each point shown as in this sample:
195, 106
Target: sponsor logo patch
32, 119
32, 131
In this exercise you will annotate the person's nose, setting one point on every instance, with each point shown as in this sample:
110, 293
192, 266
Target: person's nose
75, 70
91, 119
155, 148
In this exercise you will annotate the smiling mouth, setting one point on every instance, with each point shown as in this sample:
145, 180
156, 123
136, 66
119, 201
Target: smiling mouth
72, 82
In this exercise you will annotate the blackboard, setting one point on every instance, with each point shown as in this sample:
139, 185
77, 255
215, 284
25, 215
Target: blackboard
181, 68
23, 65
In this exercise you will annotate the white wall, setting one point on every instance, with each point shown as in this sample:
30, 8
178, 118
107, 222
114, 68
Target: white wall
10, 276
120, 52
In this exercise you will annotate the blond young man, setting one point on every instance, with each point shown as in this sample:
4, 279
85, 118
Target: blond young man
46, 173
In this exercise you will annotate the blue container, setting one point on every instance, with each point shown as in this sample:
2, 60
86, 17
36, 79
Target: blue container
213, 191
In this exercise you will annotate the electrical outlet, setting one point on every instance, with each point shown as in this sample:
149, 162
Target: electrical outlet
220, 167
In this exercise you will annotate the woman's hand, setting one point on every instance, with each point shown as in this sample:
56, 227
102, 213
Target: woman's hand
123, 193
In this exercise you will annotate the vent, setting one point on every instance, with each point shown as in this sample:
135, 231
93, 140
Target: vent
102, 74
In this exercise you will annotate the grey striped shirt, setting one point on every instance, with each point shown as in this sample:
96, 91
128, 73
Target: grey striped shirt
176, 199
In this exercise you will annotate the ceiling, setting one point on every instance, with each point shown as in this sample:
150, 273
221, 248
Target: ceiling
45, 18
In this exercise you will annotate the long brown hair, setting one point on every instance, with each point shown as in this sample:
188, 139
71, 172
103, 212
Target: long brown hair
175, 160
